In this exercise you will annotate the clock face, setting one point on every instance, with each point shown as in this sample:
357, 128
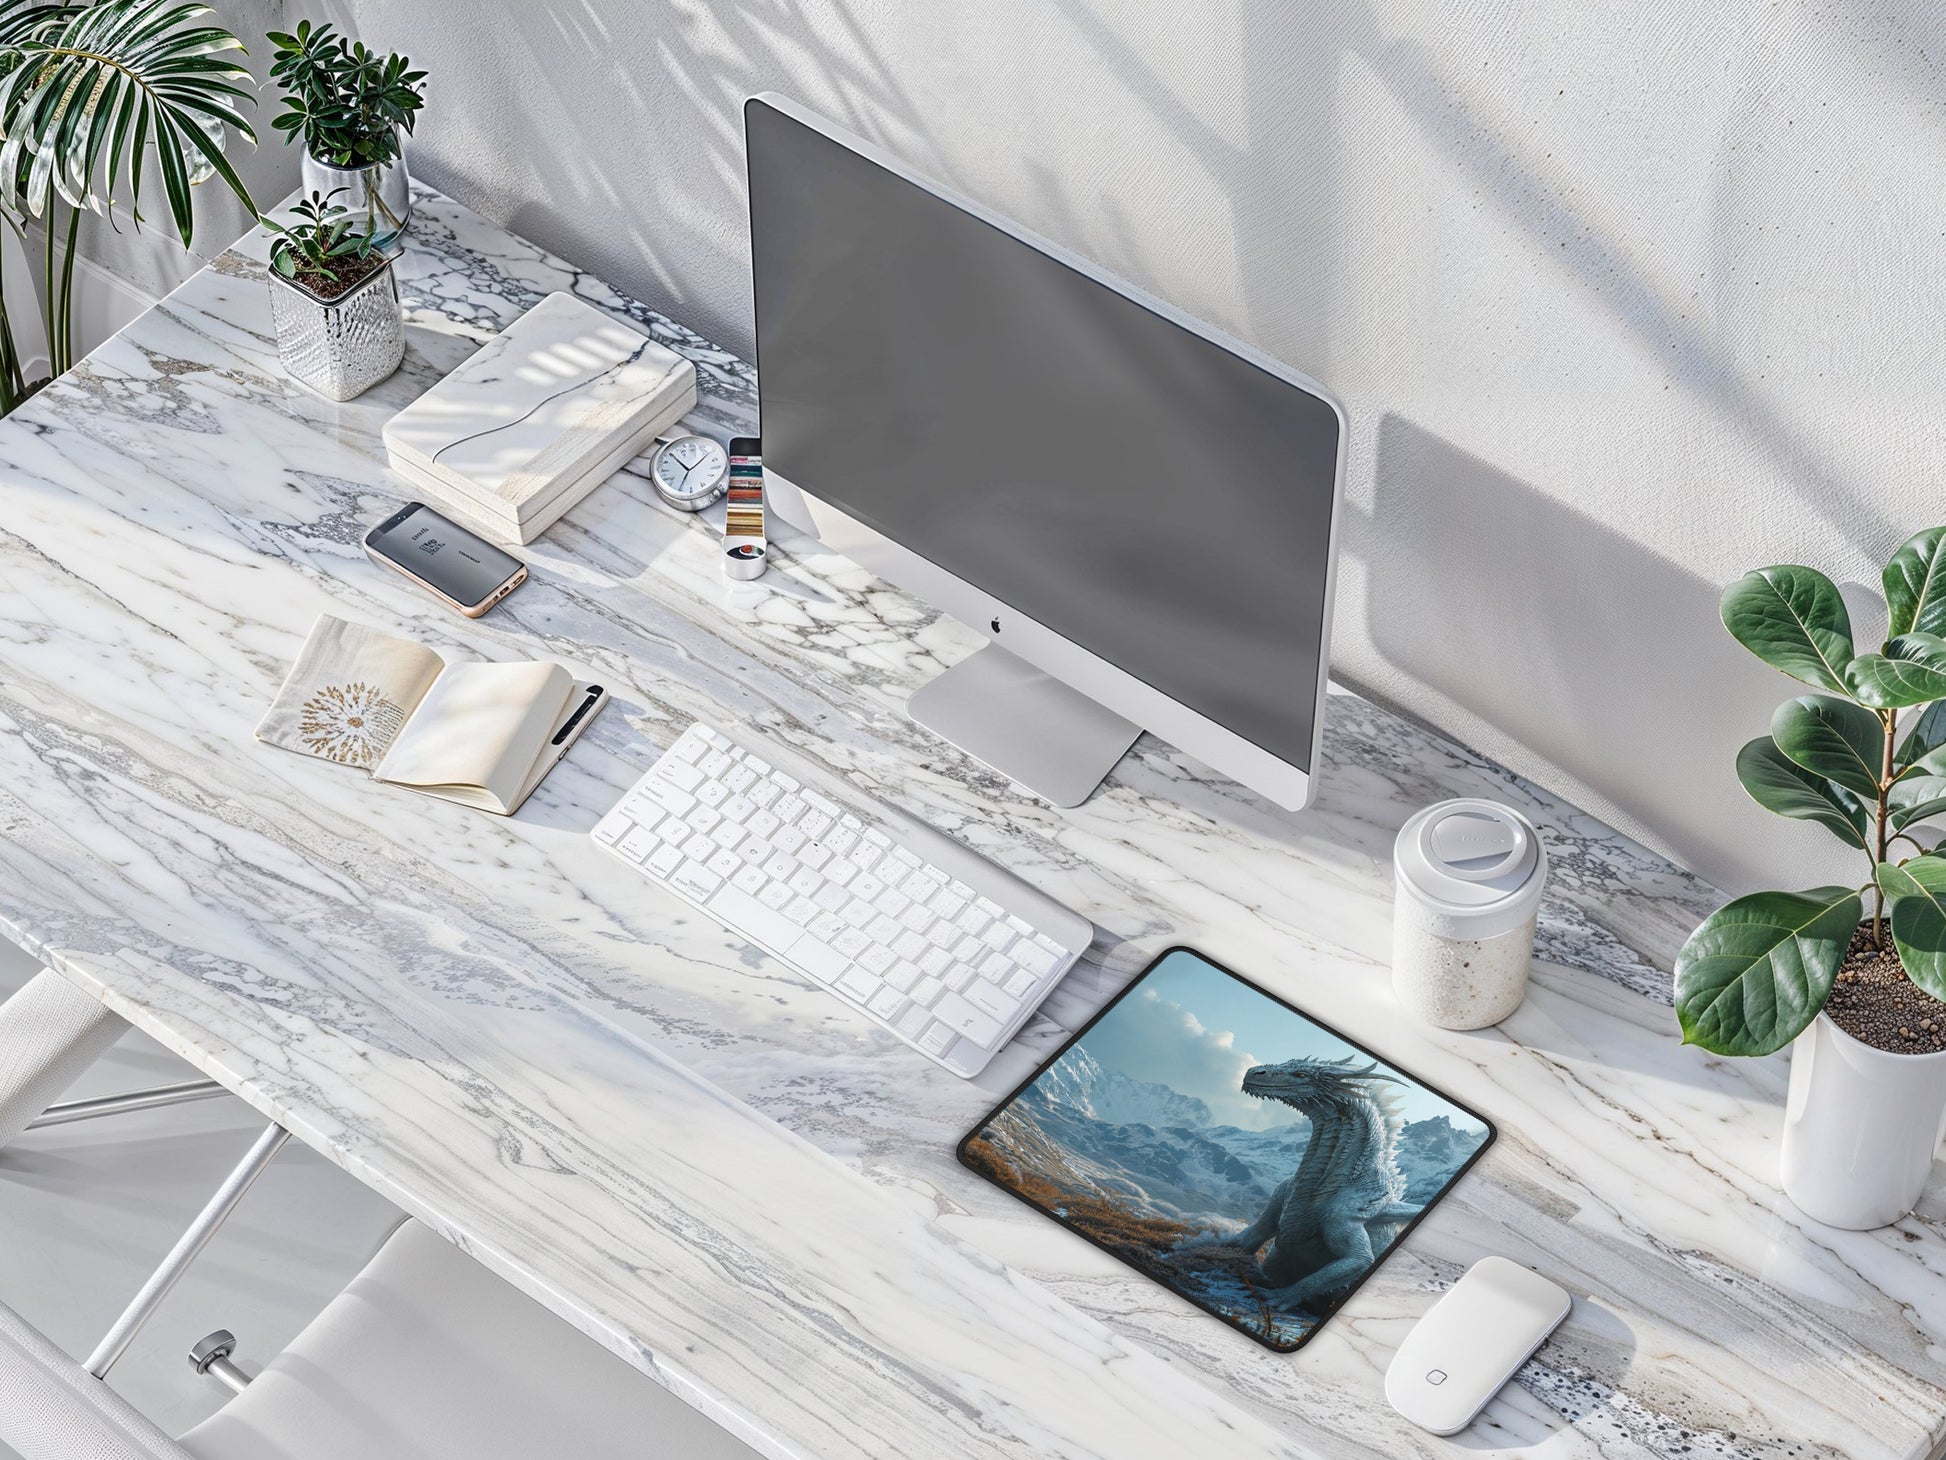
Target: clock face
690, 467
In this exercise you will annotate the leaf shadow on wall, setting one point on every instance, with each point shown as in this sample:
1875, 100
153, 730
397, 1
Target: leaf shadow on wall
1492, 594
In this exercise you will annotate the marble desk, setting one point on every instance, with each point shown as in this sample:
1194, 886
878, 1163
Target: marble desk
711, 1165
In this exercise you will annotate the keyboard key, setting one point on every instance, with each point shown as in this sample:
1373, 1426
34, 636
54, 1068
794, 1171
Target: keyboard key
763, 823
934, 962
948, 906
970, 950
739, 809
855, 983
964, 1018
789, 808
712, 793
726, 834
851, 942
841, 872
780, 867
611, 829
671, 799
725, 863
972, 921
699, 848
906, 858
1035, 960
827, 895
714, 764
824, 928
886, 1002
764, 793
1019, 924
801, 910
865, 855
918, 885
925, 990
999, 937
958, 976
694, 881
990, 1000
819, 961
715, 737
788, 839
740, 778
858, 913
942, 935
814, 856
883, 962
806, 883
888, 900
690, 747
703, 818
757, 763
665, 860
757, 920
775, 895
815, 823
638, 844
841, 841
913, 1021
883, 929
682, 776
937, 1039
756, 850
1020, 983
909, 945
823, 804
749, 879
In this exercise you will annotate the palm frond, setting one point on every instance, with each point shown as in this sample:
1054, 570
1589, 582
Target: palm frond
90, 94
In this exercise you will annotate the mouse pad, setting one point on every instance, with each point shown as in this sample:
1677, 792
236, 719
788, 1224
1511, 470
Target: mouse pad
1229, 1146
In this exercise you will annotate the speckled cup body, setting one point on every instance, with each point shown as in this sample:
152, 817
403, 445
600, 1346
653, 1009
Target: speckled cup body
1860, 1127
1458, 983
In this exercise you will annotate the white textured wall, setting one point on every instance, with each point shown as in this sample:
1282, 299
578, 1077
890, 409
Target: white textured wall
1623, 299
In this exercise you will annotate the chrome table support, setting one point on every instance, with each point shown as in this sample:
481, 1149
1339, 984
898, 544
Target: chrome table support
187, 1246
154, 1098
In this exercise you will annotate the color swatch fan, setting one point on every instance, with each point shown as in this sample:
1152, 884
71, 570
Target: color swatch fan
539, 417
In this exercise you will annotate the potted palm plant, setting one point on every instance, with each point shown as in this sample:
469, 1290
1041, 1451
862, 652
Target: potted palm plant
334, 300
1851, 976
350, 105
95, 99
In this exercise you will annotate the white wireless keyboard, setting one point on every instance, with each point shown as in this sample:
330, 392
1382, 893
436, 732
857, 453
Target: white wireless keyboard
948, 951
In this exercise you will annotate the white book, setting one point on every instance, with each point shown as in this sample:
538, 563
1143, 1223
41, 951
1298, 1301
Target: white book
539, 416
481, 734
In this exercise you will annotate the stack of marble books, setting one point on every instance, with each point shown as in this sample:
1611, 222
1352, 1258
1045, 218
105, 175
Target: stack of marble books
538, 417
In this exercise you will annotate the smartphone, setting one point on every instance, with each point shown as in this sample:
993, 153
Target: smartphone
459, 568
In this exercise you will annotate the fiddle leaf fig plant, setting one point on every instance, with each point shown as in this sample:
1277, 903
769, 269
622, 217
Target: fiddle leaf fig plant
1865, 758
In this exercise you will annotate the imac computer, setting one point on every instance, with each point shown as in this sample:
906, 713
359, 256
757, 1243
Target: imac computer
1138, 511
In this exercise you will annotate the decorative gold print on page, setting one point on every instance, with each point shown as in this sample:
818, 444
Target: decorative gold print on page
349, 723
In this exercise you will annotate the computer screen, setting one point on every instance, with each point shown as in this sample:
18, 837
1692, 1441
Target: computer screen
1129, 484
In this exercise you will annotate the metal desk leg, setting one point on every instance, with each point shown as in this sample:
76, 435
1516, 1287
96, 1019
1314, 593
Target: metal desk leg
49, 1033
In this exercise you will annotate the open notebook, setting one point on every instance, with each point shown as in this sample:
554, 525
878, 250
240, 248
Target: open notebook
480, 734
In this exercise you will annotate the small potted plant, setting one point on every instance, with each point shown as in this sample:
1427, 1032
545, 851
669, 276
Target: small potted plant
1859, 993
335, 301
350, 105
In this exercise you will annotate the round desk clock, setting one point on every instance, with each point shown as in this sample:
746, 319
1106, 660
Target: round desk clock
689, 472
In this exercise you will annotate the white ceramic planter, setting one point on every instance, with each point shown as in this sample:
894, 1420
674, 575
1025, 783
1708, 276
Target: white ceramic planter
1860, 1127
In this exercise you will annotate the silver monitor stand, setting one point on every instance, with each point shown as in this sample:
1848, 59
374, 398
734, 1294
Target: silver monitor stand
1024, 723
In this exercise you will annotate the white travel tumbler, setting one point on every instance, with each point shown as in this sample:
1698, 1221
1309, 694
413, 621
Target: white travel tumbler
1470, 875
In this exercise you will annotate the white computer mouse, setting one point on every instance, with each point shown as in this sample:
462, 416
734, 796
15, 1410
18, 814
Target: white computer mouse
1470, 1343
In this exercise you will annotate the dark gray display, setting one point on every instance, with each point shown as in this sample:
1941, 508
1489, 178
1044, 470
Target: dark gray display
1136, 488
442, 554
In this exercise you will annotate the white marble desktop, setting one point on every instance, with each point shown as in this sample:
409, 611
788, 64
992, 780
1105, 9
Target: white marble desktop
713, 1166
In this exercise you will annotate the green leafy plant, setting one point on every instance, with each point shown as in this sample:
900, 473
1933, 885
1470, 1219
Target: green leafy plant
92, 95
319, 249
1866, 760
347, 102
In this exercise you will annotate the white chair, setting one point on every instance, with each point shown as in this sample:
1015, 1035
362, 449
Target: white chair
428, 1356
424, 1356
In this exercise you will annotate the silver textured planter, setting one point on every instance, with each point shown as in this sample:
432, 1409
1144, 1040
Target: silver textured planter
379, 197
339, 347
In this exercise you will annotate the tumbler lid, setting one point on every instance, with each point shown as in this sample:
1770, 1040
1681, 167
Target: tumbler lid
1476, 866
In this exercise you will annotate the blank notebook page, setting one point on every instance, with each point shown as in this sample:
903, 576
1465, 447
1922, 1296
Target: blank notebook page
480, 725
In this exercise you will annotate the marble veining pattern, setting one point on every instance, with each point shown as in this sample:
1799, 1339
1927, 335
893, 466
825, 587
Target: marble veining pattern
714, 1167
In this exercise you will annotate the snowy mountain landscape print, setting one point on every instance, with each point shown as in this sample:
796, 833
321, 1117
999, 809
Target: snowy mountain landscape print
1228, 1147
